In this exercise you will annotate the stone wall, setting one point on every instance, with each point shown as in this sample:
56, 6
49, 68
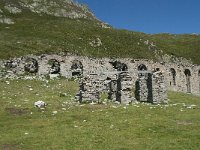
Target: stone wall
118, 86
159, 90
151, 87
177, 77
143, 88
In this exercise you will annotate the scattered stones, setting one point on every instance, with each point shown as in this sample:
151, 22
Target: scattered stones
67, 8
13, 10
111, 126
40, 104
7, 82
54, 113
96, 43
6, 20
11, 63
64, 109
185, 123
105, 25
190, 106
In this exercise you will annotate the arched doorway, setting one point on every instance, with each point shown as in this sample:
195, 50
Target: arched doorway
55, 66
141, 69
188, 76
31, 65
119, 66
77, 68
173, 77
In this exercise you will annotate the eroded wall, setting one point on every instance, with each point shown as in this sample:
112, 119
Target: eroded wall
178, 77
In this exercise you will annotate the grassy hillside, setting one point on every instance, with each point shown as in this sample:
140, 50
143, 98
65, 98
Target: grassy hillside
88, 127
50, 30
185, 45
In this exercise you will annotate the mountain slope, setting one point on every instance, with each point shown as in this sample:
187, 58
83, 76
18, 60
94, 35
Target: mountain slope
55, 26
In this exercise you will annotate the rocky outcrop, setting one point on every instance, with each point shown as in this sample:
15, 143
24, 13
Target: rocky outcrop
57, 8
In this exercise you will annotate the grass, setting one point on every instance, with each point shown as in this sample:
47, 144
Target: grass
75, 126
35, 34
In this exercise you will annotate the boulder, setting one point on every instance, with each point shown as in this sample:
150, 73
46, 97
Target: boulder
40, 104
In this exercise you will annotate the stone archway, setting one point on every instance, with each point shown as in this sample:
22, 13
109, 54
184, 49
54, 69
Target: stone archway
55, 66
31, 65
77, 68
141, 69
172, 77
119, 66
188, 82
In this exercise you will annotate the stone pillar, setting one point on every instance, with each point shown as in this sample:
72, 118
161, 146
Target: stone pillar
124, 88
159, 89
151, 88
89, 89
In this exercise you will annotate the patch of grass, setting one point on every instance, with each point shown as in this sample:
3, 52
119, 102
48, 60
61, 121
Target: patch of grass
137, 126
36, 34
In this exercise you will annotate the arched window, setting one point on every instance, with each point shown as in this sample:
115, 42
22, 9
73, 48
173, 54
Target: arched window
77, 68
55, 66
31, 65
157, 69
142, 67
124, 67
173, 75
188, 76
119, 66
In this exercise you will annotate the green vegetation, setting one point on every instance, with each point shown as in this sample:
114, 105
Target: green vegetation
138, 126
74, 126
37, 34
185, 45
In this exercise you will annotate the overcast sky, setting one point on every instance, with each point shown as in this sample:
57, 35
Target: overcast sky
149, 16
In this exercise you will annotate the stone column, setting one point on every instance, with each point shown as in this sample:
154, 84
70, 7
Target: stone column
124, 88
89, 90
159, 89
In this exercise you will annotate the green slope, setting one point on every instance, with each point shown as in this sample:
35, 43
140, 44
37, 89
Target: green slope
175, 126
39, 33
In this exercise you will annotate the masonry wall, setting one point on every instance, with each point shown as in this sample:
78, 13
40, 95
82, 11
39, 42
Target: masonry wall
186, 78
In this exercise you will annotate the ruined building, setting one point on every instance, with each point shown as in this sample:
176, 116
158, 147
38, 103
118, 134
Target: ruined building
122, 80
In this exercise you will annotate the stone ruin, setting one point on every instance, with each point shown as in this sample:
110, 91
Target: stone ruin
122, 79
31, 65
149, 87
54, 66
